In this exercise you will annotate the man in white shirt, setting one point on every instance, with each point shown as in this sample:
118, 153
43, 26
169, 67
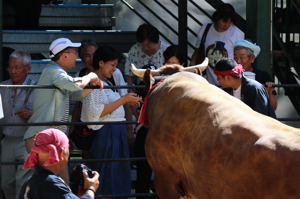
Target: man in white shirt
219, 40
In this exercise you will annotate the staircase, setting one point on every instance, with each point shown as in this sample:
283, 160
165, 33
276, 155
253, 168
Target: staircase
85, 20
286, 46
77, 16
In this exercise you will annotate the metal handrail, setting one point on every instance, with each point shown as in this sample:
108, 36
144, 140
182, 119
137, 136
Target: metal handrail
199, 8
146, 195
87, 87
91, 123
112, 87
242, 24
63, 123
296, 6
170, 13
162, 21
141, 16
156, 15
73, 161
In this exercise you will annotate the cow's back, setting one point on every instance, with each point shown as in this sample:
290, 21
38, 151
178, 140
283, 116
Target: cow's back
204, 143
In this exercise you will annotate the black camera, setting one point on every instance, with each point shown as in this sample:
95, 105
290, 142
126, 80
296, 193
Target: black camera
76, 177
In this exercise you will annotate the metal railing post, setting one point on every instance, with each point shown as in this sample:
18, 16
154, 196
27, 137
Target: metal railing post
182, 28
1, 50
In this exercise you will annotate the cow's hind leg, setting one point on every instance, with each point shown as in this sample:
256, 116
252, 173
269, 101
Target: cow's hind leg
168, 185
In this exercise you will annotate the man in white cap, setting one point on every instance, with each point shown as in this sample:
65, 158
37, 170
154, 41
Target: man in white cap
245, 53
53, 104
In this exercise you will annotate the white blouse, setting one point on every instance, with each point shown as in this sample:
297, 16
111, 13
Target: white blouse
140, 59
93, 105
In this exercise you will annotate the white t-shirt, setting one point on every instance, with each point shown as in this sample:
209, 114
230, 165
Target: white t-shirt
237, 92
228, 37
93, 105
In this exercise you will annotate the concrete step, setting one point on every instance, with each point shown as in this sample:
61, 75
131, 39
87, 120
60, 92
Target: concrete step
78, 16
36, 42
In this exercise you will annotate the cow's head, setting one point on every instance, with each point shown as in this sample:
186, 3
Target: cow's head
151, 76
166, 70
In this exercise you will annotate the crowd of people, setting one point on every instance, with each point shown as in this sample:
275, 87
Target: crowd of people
46, 148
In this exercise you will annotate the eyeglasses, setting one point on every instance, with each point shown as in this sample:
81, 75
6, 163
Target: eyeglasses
16, 68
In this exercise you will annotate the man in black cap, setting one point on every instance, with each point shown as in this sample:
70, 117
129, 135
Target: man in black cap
230, 75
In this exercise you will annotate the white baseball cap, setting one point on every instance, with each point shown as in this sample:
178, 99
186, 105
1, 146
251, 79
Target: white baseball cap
60, 44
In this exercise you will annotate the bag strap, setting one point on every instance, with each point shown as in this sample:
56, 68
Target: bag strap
205, 34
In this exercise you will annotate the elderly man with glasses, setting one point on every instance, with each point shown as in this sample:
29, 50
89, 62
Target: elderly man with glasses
18, 108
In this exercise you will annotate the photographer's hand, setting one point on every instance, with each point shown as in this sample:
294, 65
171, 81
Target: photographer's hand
91, 184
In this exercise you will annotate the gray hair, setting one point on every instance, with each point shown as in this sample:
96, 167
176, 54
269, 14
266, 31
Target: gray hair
250, 52
22, 55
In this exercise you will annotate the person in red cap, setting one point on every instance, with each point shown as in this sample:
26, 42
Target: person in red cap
49, 155
230, 76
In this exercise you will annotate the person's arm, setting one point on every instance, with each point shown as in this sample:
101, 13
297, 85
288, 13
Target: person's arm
272, 97
261, 102
195, 56
128, 98
24, 114
197, 45
65, 82
89, 79
95, 106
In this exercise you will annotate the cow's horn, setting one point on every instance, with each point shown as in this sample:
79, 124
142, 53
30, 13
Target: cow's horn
201, 66
137, 72
140, 72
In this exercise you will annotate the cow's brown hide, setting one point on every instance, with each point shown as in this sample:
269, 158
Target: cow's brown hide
206, 144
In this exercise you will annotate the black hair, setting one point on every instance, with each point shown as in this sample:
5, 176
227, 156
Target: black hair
174, 50
225, 11
225, 64
86, 43
104, 53
147, 32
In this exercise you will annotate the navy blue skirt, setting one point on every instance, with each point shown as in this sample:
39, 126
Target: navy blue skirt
111, 142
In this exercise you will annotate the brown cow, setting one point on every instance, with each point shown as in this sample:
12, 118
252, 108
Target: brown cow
205, 144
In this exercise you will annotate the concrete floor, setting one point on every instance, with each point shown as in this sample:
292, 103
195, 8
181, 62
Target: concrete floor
285, 109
